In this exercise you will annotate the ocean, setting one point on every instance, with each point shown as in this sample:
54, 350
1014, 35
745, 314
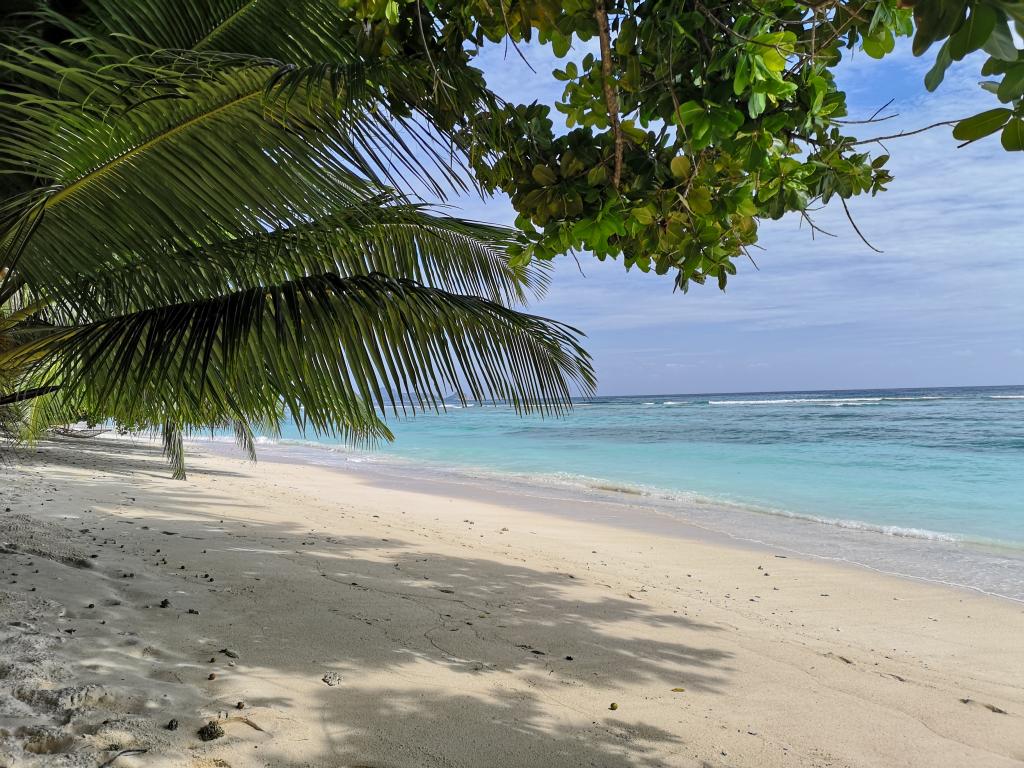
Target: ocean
927, 483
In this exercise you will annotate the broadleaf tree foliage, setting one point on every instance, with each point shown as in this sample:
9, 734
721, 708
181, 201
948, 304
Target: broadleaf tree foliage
690, 120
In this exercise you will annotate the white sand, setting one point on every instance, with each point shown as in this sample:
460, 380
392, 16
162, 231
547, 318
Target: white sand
445, 627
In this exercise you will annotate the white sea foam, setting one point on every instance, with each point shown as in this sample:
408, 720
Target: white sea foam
1006, 397
860, 525
586, 483
691, 498
824, 400
687, 499
794, 401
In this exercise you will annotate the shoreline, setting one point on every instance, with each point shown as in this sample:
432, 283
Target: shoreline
401, 627
717, 521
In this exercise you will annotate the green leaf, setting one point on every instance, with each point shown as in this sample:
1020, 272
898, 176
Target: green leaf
725, 122
331, 347
878, 46
1012, 137
935, 19
689, 112
681, 167
974, 32
773, 60
699, 200
1012, 85
700, 131
643, 216
756, 104
544, 175
994, 66
560, 44
981, 125
935, 75
1000, 42
742, 77
772, 48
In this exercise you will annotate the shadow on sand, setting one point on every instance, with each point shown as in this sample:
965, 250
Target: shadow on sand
521, 644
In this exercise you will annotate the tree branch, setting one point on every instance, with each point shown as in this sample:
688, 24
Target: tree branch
611, 99
901, 134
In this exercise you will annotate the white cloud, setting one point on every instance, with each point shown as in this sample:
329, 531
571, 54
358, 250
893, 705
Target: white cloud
951, 276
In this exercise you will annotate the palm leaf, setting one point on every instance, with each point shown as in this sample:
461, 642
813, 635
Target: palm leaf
330, 348
201, 198
288, 30
396, 239
311, 39
183, 172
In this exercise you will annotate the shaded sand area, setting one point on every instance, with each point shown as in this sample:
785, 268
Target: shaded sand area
384, 628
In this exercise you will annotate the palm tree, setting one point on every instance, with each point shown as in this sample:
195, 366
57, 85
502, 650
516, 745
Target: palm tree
201, 225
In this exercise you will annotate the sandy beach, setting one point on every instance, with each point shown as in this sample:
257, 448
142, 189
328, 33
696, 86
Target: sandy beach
323, 620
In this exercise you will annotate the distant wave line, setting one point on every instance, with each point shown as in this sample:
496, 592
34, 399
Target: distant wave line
824, 400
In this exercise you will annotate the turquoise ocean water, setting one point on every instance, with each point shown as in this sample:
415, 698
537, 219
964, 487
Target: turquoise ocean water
927, 482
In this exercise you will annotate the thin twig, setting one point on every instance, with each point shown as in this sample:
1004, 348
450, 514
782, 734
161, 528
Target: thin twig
746, 252
814, 227
240, 719
426, 49
814, 32
671, 74
123, 753
835, 36
857, 229
508, 37
874, 117
578, 265
867, 122
901, 134
882, 109
693, 175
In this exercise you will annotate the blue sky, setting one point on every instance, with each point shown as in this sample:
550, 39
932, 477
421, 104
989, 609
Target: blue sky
942, 306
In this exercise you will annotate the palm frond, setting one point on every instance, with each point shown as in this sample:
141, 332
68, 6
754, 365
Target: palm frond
402, 241
316, 49
287, 30
245, 438
313, 40
182, 172
331, 349
201, 229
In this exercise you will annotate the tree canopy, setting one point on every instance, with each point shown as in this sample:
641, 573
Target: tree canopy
688, 121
